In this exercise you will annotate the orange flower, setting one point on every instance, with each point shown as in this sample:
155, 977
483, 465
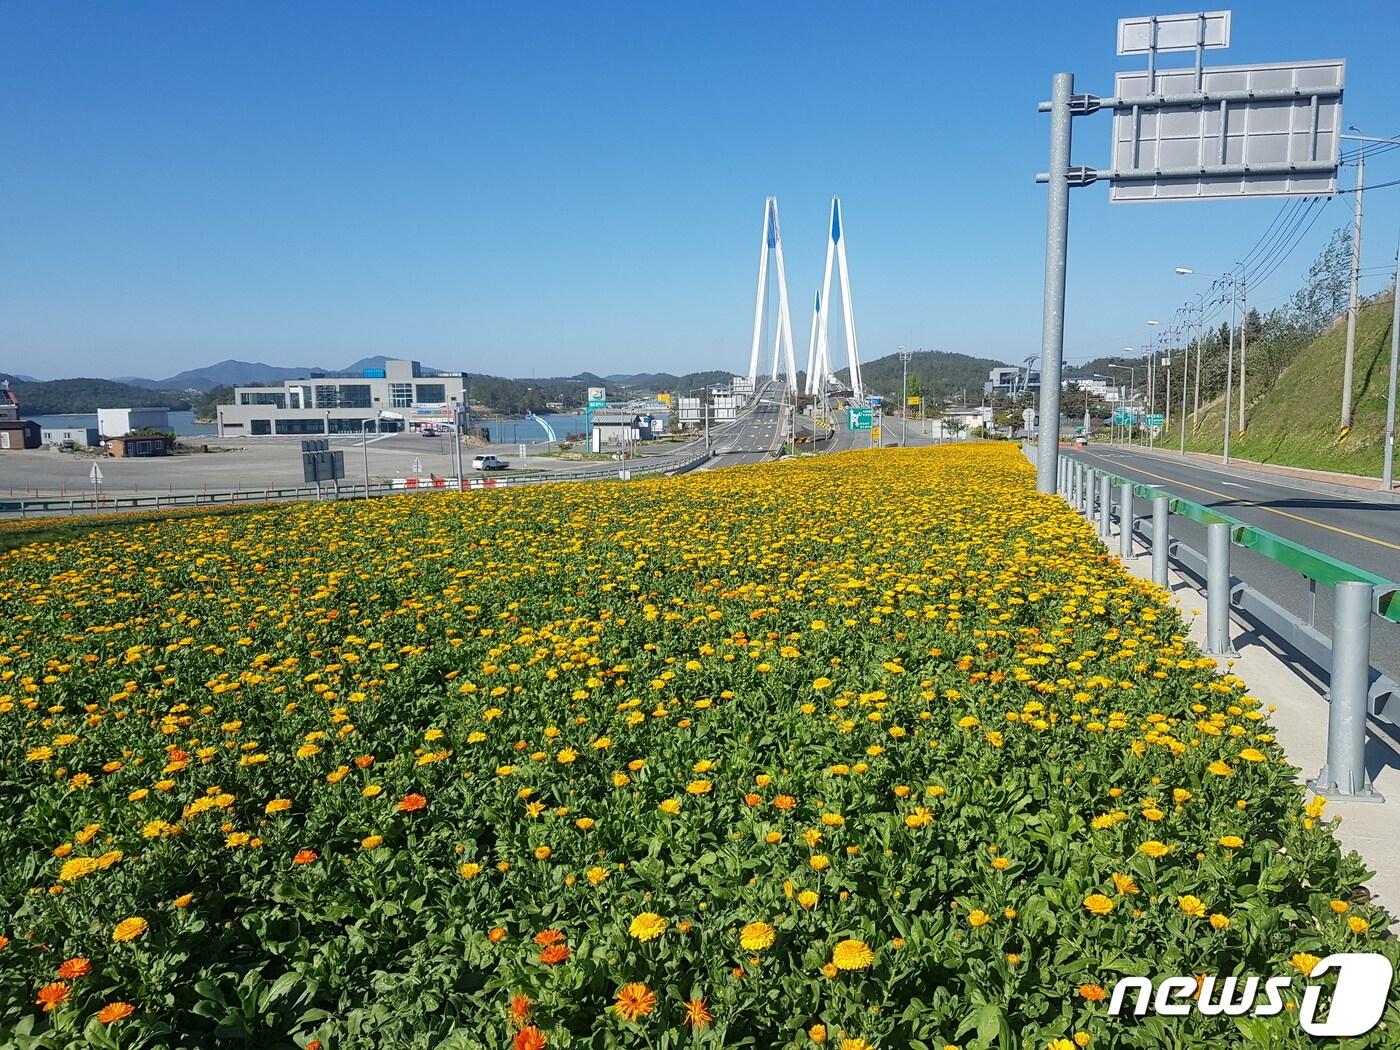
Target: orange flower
117, 1011
547, 937
520, 1009
530, 1038
305, 856
4, 942
364, 761
697, 1012
497, 935
785, 802
554, 954
1092, 992
315, 1044
412, 803
52, 995
74, 968
634, 1000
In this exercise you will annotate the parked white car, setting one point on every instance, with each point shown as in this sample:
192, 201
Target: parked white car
489, 463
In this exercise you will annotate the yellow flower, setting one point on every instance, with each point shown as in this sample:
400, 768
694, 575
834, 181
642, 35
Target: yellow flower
1231, 841
1304, 962
1220, 922
1124, 884
698, 787
1251, 754
1192, 905
1357, 924
977, 917
817, 1033
1154, 849
647, 926
671, 806
1098, 904
1219, 768
852, 954
596, 875
757, 936
129, 929
808, 899
278, 805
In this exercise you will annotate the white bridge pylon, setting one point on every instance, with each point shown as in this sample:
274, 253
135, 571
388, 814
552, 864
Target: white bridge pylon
819, 370
772, 252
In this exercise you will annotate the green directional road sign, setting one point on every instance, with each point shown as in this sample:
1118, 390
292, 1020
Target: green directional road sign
1124, 417
1156, 419
860, 418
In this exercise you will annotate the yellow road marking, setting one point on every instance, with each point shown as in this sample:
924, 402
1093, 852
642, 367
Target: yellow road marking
1257, 506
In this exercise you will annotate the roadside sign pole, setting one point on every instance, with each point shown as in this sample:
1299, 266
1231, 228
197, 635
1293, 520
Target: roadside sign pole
460, 436
1052, 346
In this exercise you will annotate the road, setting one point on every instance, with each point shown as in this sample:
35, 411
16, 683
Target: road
1362, 532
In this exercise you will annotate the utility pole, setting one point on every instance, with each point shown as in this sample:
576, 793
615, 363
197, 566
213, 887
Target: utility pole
1229, 373
1388, 474
1352, 296
1244, 342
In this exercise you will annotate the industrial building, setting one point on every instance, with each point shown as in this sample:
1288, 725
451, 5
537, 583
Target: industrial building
80, 437
609, 429
400, 395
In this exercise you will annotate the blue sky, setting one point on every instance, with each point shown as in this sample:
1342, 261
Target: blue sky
543, 188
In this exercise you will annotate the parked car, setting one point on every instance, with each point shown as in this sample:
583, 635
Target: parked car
1080, 441
489, 463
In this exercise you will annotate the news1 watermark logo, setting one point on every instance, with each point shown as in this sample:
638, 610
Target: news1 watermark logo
1358, 996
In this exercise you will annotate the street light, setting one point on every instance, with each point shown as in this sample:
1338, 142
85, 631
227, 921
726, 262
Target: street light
1186, 271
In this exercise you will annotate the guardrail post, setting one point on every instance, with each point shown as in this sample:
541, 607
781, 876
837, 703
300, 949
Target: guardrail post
1105, 507
1161, 512
1344, 776
1125, 521
1218, 590
1087, 491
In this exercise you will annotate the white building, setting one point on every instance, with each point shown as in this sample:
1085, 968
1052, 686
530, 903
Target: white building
117, 422
1101, 387
399, 395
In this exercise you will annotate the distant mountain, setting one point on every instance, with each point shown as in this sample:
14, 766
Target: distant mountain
941, 374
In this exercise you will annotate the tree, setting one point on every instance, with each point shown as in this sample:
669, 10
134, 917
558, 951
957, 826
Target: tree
1325, 295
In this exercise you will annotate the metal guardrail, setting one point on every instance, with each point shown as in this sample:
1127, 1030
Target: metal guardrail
73, 505
1356, 689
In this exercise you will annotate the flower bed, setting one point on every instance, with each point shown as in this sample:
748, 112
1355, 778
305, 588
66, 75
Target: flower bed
876, 749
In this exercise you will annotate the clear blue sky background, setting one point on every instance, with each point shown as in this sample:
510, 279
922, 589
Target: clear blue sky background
542, 188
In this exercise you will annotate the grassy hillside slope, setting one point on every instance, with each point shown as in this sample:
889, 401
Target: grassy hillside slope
1296, 421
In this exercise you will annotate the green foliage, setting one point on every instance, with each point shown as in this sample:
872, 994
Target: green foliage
63, 396
941, 375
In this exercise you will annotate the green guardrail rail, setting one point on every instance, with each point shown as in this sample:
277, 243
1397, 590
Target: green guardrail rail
1303, 560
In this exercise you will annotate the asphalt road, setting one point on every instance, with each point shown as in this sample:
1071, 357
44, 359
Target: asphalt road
1362, 532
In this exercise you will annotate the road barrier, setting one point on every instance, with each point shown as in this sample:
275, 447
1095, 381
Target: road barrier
74, 505
1356, 689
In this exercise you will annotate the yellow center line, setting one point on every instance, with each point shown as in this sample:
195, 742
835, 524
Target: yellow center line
1247, 503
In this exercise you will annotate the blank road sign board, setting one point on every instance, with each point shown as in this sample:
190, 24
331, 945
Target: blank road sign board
1206, 29
1270, 148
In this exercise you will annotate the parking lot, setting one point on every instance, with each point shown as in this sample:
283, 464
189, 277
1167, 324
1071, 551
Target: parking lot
254, 464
